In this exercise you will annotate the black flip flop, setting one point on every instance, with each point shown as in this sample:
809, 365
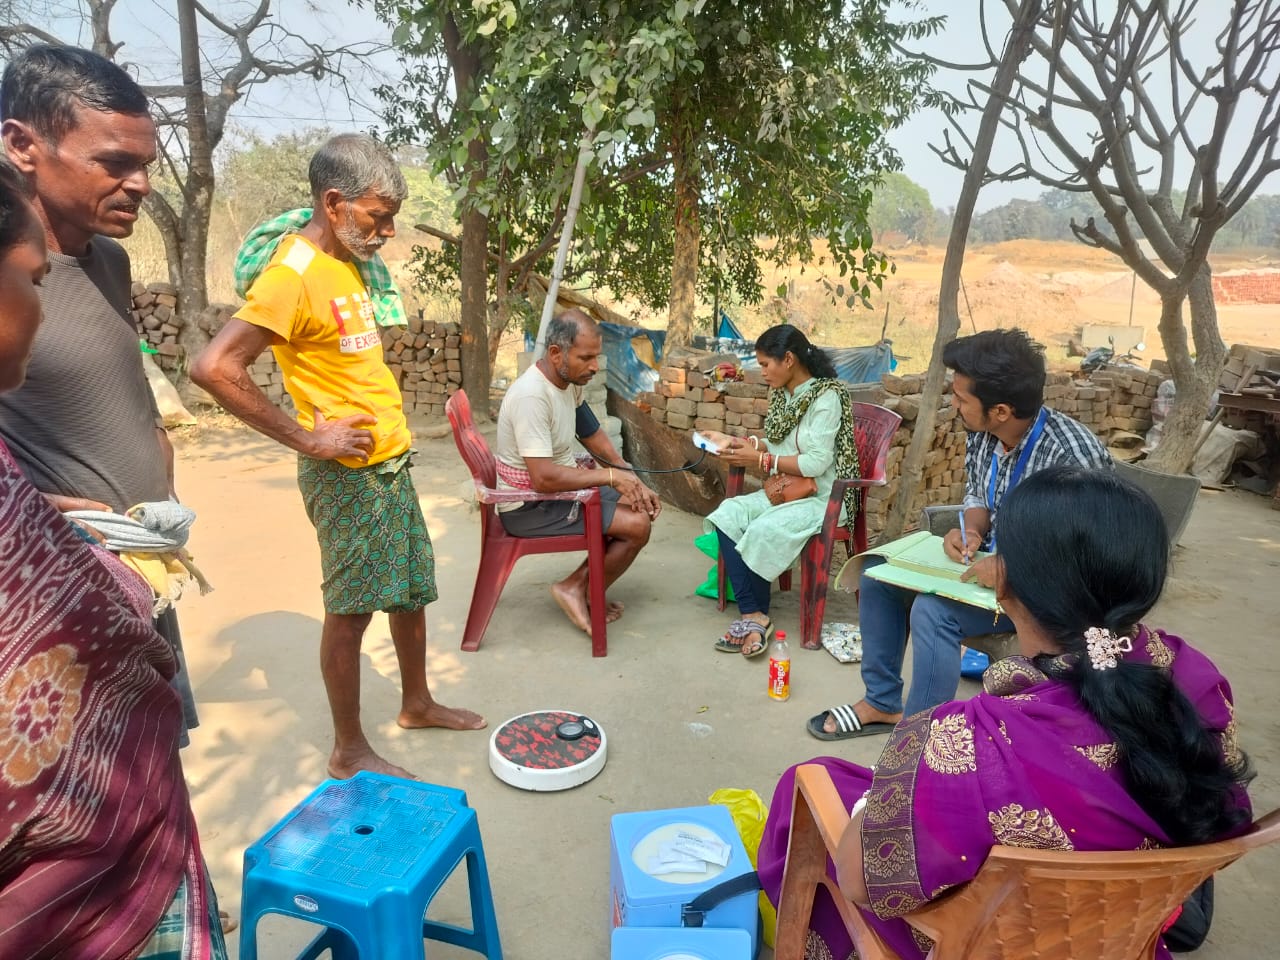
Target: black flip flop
847, 725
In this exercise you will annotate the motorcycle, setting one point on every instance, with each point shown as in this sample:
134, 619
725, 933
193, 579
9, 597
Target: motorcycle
1099, 358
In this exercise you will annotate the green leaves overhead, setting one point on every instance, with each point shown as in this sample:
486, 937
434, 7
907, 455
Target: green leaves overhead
778, 110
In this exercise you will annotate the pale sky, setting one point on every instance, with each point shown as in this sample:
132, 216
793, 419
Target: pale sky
148, 29
961, 41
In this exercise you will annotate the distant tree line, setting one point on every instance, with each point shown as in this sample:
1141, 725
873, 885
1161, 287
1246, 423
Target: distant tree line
901, 209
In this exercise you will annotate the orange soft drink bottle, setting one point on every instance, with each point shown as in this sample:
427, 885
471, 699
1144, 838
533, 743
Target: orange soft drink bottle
780, 667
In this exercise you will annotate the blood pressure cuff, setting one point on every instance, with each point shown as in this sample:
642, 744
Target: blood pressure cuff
585, 422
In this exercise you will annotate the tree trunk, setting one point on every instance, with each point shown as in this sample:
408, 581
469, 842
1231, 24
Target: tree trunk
911, 472
473, 272
1195, 380
197, 191
501, 309
684, 260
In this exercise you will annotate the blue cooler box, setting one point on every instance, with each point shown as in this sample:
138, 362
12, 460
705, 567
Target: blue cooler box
641, 900
670, 943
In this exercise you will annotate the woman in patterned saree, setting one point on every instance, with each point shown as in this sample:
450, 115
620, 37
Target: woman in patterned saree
1103, 735
98, 850
809, 442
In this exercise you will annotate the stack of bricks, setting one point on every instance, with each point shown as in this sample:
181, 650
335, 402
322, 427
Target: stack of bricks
687, 399
1112, 399
1262, 365
943, 471
266, 373
425, 358
1247, 286
155, 313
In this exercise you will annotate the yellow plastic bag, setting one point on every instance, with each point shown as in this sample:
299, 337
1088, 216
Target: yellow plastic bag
748, 812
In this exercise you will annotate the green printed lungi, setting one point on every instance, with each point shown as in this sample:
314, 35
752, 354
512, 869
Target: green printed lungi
375, 551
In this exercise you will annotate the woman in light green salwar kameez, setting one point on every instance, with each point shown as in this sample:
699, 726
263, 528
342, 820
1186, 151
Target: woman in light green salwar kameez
808, 433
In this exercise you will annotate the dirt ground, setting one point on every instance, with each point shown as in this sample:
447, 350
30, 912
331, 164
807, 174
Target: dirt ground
682, 720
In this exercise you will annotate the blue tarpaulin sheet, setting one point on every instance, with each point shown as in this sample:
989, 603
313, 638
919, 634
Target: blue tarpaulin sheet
853, 364
629, 374
626, 373
728, 329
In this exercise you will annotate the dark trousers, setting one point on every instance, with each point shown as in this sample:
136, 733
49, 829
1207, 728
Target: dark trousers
750, 589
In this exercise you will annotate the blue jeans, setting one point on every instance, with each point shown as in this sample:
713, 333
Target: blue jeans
938, 627
751, 590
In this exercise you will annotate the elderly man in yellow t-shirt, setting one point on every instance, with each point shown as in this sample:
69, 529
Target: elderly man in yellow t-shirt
312, 308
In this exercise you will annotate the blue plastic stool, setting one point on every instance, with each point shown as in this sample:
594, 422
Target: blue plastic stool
364, 857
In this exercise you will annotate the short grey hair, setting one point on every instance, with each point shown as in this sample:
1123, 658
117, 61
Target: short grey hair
564, 329
355, 165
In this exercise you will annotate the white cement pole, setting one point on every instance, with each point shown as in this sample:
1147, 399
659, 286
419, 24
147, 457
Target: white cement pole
566, 237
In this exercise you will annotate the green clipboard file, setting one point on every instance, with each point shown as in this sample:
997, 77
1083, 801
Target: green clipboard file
918, 562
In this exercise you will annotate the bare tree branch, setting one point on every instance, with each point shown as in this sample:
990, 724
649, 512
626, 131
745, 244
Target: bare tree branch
18, 35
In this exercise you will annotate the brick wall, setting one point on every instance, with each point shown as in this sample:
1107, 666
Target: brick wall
155, 312
424, 356
1258, 286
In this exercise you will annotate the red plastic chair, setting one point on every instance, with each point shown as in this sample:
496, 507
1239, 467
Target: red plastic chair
873, 428
499, 550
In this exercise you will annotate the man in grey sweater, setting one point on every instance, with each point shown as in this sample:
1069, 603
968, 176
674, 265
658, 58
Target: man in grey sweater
84, 427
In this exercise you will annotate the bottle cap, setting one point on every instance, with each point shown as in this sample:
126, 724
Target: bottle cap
781, 635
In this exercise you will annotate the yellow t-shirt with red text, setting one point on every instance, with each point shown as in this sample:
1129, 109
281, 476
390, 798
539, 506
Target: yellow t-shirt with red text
327, 343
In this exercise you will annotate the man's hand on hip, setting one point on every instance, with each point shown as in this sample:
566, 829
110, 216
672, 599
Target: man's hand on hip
334, 439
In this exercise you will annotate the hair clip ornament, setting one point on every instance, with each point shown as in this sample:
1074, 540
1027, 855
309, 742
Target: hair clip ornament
1105, 647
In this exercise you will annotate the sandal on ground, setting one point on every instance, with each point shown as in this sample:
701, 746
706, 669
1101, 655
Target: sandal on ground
759, 633
847, 724
733, 638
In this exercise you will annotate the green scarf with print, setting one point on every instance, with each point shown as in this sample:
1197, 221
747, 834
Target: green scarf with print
785, 416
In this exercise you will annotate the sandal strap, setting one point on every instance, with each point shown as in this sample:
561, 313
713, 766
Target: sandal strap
754, 626
846, 718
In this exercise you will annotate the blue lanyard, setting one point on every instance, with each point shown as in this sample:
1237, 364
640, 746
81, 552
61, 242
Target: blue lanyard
1018, 468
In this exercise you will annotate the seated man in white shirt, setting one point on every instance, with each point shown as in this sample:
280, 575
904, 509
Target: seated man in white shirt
541, 414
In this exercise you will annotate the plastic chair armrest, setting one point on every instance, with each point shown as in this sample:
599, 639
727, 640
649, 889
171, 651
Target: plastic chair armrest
733, 485
841, 485
489, 495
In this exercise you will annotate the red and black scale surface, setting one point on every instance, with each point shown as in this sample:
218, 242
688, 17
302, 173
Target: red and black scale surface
531, 741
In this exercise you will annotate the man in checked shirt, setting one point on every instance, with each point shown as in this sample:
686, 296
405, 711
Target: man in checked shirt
998, 391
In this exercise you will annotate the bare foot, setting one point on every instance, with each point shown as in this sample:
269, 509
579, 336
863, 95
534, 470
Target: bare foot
438, 715
866, 713
613, 609
574, 604
228, 925
345, 765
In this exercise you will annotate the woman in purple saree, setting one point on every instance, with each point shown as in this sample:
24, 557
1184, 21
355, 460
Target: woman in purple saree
99, 856
1103, 735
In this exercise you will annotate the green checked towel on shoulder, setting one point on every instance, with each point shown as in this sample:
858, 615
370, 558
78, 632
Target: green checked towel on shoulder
260, 246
